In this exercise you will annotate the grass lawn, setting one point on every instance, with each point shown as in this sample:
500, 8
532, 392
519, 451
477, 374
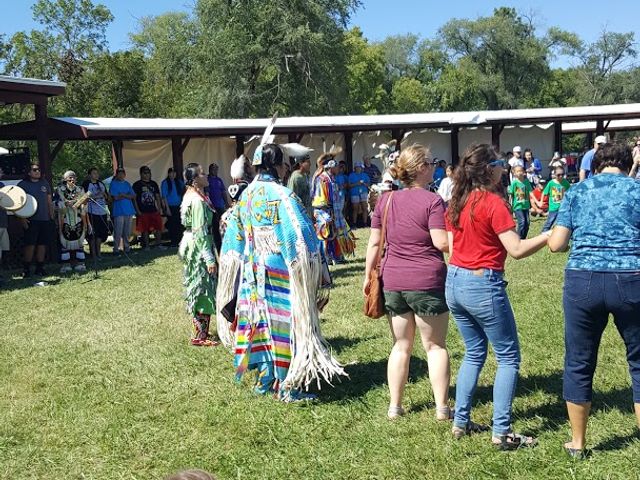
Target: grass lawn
97, 381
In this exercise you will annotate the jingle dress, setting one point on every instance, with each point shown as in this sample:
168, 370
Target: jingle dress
270, 260
331, 227
72, 230
196, 213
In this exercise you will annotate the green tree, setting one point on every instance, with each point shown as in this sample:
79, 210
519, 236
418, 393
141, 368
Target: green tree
502, 56
601, 63
365, 74
257, 57
409, 95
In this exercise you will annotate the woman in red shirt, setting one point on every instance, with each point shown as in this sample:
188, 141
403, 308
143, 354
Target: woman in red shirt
481, 232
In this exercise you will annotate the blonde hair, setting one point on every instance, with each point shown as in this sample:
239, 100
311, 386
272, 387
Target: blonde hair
194, 474
408, 164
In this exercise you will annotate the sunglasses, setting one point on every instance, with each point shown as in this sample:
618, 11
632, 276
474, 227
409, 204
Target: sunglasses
35, 169
428, 161
497, 163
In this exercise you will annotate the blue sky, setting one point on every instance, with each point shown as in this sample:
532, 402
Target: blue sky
380, 18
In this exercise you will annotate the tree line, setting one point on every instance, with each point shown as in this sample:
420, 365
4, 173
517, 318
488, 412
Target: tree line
248, 58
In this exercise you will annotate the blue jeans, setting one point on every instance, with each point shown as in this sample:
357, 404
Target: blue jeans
588, 299
522, 217
479, 304
551, 221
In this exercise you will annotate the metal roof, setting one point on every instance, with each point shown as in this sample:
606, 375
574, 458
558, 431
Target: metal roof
77, 128
28, 90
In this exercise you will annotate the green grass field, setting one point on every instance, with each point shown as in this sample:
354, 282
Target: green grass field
97, 381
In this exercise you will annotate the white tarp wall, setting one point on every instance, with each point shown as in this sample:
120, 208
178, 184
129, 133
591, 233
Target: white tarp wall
317, 141
158, 156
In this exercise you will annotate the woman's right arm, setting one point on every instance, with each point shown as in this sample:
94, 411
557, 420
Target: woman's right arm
518, 248
372, 254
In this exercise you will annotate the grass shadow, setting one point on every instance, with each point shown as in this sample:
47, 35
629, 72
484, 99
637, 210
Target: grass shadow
340, 343
364, 377
138, 258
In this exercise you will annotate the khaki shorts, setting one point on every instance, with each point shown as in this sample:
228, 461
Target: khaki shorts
425, 303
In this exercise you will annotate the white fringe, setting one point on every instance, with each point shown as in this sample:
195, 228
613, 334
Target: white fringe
229, 268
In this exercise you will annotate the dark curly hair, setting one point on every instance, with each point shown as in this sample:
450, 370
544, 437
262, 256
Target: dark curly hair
613, 155
191, 173
472, 173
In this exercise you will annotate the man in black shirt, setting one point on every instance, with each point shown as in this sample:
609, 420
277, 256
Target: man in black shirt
38, 230
148, 207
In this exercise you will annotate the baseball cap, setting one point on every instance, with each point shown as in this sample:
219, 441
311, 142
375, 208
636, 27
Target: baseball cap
358, 164
601, 139
517, 149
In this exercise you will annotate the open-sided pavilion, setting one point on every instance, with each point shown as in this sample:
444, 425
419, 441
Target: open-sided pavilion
236, 134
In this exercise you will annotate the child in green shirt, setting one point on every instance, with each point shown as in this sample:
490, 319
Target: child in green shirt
555, 190
519, 192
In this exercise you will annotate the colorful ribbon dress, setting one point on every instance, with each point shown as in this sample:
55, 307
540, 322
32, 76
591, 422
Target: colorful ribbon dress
271, 260
331, 227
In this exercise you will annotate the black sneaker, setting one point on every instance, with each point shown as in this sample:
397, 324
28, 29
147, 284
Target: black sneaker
40, 272
26, 274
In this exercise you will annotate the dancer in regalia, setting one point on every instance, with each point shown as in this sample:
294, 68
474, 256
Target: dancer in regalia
72, 223
268, 287
196, 251
331, 227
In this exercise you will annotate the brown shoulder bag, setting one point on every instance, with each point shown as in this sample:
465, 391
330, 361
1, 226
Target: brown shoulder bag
374, 297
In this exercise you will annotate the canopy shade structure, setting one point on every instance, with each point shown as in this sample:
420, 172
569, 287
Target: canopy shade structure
31, 91
28, 90
74, 128
612, 126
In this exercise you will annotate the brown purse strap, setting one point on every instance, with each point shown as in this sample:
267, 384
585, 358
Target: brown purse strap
383, 232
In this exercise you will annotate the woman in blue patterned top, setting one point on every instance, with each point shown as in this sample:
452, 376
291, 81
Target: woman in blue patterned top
601, 217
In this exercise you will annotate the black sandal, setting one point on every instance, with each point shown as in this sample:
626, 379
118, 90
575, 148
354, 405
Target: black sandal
513, 441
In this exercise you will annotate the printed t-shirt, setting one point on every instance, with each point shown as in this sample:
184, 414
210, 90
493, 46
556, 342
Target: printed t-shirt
411, 261
123, 207
40, 190
475, 241
555, 191
603, 214
520, 192
146, 195
97, 205
354, 179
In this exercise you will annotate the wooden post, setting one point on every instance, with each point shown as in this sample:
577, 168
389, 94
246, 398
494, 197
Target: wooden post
557, 137
599, 127
397, 135
455, 147
42, 136
348, 150
496, 130
239, 145
589, 140
176, 150
116, 154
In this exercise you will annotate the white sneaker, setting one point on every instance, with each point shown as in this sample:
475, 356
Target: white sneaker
66, 268
80, 268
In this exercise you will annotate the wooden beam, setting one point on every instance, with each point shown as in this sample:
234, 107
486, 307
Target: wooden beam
184, 144
56, 150
348, 150
295, 137
42, 137
455, 146
557, 137
8, 98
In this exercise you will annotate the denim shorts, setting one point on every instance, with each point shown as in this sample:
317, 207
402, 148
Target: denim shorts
424, 303
359, 197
